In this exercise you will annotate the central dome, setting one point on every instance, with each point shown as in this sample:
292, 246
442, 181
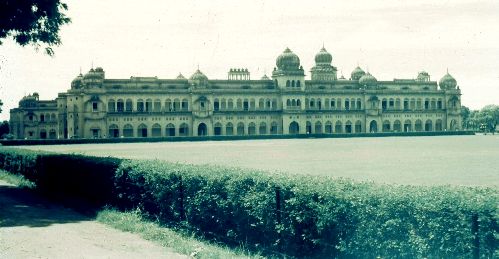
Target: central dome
323, 57
288, 60
199, 76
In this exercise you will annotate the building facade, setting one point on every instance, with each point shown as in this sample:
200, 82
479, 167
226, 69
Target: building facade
286, 103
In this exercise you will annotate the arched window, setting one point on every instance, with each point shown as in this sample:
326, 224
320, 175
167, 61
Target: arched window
318, 128
223, 105
261, 104
386, 126
230, 104
359, 104
293, 83
397, 126
274, 104
156, 130
142, 131
358, 126
348, 127
298, 103
111, 106
262, 130
338, 127
418, 126
170, 130
308, 128
328, 127
240, 128
43, 134
273, 128
288, 103
114, 131
407, 126
229, 129
53, 117
428, 126
52, 134
148, 105
326, 104
252, 104
298, 84
438, 125
185, 105
406, 104
252, 128
216, 105
140, 105
239, 104
288, 83
128, 131
176, 104
183, 130
128, 106
293, 102
157, 105
168, 105
217, 129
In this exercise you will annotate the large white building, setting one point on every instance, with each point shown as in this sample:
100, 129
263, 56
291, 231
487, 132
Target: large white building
286, 103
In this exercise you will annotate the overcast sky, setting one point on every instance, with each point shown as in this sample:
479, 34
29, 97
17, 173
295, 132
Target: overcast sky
390, 38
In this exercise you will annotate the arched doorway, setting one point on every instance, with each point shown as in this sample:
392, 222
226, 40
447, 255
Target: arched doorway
453, 125
202, 129
294, 128
373, 127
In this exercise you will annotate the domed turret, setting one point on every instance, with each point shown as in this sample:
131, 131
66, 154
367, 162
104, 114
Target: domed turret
368, 80
288, 61
357, 73
198, 78
447, 82
198, 75
265, 77
77, 82
323, 57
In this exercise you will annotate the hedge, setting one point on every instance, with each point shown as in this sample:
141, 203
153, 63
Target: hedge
300, 216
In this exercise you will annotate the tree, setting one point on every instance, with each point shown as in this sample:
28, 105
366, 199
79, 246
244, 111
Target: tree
489, 115
4, 129
1, 103
465, 114
33, 22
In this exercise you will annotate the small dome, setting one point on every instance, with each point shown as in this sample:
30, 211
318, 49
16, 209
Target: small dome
368, 80
198, 75
181, 77
323, 57
447, 82
93, 74
265, 77
357, 73
77, 82
288, 60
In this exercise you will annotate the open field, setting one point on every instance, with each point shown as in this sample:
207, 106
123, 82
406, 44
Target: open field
455, 160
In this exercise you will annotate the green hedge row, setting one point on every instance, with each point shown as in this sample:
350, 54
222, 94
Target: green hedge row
299, 216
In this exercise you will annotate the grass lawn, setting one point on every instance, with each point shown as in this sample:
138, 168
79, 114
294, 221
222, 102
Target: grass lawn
435, 160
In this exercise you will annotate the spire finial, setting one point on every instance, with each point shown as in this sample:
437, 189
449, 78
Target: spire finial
92, 64
447, 70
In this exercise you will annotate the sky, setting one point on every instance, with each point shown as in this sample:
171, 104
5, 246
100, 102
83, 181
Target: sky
389, 38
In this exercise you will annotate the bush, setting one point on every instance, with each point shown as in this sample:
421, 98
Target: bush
301, 216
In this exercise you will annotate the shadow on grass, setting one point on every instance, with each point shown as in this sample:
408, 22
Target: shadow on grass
24, 207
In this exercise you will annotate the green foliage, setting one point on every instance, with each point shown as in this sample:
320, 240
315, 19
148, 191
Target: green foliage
301, 216
33, 22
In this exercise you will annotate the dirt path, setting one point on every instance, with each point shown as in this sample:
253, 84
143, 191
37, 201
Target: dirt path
33, 228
